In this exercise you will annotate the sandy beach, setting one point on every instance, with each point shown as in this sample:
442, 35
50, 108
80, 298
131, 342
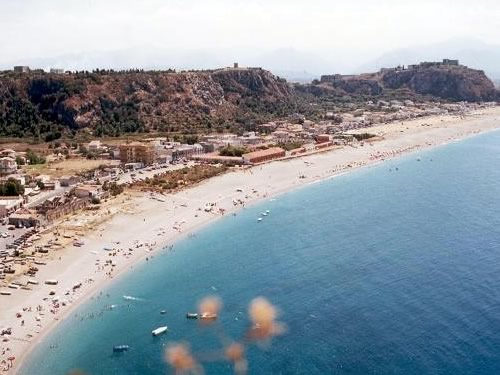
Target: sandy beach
153, 222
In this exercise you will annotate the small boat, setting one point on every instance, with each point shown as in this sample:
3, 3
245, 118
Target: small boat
208, 316
268, 212
5, 293
259, 219
13, 286
158, 331
163, 312
33, 282
120, 348
264, 214
78, 243
108, 249
51, 282
192, 316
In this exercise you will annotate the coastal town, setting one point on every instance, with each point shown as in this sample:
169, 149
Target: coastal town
47, 192
67, 193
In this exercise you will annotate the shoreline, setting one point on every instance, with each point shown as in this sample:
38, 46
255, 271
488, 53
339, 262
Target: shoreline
263, 181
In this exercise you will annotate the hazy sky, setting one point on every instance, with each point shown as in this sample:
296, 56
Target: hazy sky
347, 30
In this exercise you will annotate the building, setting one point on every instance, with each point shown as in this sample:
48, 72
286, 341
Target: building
51, 185
69, 180
88, 191
8, 165
21, 69
55, 207
56, 71
24, 217
321, 138
95, 146
8, 152
215, 158
9, 204
137, 152
236, 65
186, 151
450, 62
263, 155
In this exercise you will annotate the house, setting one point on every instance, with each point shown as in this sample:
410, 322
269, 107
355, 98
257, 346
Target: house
263, 155
69, 180
321, 138
56, 71
186, 151
88, 191
95, 146
281, 136
8, 165
24, 217
137, 152
8, 152
51, 185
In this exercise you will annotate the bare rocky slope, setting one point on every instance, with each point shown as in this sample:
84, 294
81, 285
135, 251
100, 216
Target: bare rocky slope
47, 106
110, 103
448, 82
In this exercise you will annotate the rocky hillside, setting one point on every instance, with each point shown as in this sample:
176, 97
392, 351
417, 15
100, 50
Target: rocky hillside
48, 106
453, 83
439, 80
110, 103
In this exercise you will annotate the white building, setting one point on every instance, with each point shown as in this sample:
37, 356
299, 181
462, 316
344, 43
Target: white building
8, 165
9, 205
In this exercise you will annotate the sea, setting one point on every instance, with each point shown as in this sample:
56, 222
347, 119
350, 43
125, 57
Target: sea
389, 269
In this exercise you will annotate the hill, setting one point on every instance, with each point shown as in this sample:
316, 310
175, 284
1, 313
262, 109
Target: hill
447, 80
106, 103
109, 103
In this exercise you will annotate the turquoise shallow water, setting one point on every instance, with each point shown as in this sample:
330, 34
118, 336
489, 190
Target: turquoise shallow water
375, 272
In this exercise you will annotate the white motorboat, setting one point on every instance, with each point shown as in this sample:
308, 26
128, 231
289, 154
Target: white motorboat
158, 331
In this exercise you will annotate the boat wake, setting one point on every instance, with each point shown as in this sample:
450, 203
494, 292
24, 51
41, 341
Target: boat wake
130, 298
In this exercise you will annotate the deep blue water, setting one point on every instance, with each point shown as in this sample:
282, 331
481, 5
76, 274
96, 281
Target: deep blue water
375, 272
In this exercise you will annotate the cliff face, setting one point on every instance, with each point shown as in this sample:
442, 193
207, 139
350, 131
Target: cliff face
449, 82
454, 83
111, 103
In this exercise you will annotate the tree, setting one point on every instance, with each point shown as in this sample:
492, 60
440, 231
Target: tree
34, 158
20, 160
11, 188
233, 151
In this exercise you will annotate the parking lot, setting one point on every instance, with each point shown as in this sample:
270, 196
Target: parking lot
12, 236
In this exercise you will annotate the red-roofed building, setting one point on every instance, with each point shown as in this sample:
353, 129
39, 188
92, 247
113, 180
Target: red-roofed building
264, 155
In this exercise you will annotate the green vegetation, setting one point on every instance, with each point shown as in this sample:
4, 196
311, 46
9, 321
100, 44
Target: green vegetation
34, 158
363, 136
113, 188
11, 188
190, 139
180, 178
20, 160
233, 151
288, 146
